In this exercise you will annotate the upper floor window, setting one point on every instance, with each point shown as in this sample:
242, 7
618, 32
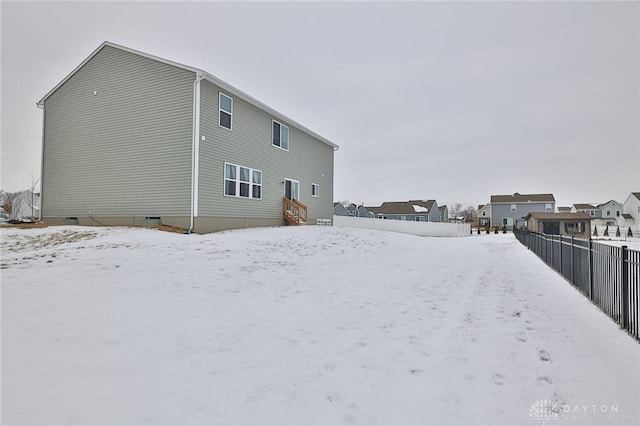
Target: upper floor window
280, 135
315, 190
548, 207
225, 114
242, 181
484, 213
514, 208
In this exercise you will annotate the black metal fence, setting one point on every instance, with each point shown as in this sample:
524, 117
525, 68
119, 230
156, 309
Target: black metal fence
606, 274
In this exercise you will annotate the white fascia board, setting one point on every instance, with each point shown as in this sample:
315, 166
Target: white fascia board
253, 101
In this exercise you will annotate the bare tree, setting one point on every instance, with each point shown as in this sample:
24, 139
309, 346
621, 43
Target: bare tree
34, 193
468, 213
9, 203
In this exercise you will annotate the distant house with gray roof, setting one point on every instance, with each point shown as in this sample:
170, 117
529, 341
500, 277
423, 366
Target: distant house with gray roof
510, 210
351, 210
589, 209
412, 210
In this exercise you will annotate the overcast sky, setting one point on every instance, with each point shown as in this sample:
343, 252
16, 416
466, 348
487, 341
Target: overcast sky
450, 101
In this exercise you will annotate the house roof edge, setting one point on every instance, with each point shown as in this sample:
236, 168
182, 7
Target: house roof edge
210, 77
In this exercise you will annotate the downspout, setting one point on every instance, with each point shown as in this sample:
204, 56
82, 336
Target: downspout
195, 148
41, 106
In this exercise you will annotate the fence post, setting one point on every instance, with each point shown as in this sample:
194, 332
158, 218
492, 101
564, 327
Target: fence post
560, 254
590, 251
572, 266
625, 288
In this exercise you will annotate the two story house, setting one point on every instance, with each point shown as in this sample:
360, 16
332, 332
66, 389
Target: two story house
589, 209
130, 138
484, 215
511, 210
611, 213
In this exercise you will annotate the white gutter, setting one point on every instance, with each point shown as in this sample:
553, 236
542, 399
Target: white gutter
41, 106
195, 149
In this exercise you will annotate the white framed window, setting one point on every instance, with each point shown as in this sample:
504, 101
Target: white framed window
280, 135
225, 111
514, 208
315, 190
242, 182
548, 208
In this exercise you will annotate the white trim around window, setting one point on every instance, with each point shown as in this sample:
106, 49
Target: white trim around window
315, 190
225, 111
279, 135
243, 182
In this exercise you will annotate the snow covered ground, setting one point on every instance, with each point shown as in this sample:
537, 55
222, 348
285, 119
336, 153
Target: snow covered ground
301, 325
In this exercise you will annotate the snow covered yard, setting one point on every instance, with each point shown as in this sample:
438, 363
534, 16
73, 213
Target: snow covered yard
301, 325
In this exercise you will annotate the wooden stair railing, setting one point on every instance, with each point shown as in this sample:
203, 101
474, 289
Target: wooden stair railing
294, 211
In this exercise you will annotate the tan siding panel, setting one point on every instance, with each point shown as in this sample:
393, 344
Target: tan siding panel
249, 144
118, 139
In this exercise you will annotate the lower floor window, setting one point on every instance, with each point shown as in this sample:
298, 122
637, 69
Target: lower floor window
242, 181
574, 227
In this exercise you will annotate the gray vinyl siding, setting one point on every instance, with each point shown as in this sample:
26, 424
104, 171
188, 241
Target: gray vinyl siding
124, 151
249, 144
503, 210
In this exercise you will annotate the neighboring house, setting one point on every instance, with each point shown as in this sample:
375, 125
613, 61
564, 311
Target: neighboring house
484, 215
444, 213
510, 210
611, 213
340, 210
130, 138
359, 211
589, 209
351, 210
631, 208
570, 224
413, 210
627, 220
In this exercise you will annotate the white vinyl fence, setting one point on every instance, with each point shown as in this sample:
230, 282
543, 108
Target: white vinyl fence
423, 229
